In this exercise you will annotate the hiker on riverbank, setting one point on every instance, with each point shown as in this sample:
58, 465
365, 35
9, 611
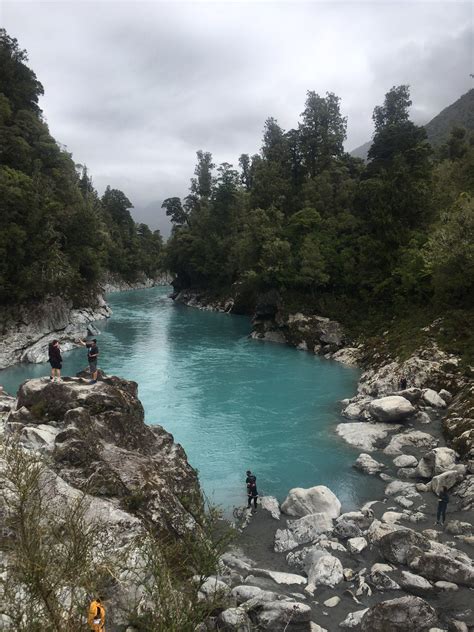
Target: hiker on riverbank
442, 506
403, 382
55, 360
92, 355
252, 493
96, 618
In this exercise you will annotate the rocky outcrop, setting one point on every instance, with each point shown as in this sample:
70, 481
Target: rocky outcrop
96, 440
27, 329
318, 499
399, 615
115, 283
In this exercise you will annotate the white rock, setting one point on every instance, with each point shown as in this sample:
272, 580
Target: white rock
274, 616
318, 499
436, 461
314, 627
414, 438
445, 395
447, 479
405, 460
355, 410
381, 568
353, 619
365, 435
211, 587
356, 545
432, 398
378, 529
309, 527
402, 488
347, 355
332, 602
446, 586
412, 582
234, 619
280, 578
40, 437
391, 517
391, 408
323, 570
270, 503
284, 541
365, 463
245, 592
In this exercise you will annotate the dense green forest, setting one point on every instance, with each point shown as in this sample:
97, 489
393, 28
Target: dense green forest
57, 235
329, 232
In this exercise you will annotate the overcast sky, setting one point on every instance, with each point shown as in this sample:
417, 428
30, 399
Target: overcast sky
134, 88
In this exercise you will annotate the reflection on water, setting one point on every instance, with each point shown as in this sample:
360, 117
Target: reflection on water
232, 402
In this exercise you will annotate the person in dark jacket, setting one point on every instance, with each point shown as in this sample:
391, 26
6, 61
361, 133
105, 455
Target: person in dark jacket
92, 355
55, 360
252, 493
442, 506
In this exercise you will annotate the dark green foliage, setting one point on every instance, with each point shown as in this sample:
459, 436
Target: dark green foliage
359, 242
56, 236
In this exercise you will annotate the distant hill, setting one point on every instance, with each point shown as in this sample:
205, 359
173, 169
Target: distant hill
461, 112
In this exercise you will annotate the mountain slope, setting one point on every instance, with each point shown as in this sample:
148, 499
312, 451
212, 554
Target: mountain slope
459, 113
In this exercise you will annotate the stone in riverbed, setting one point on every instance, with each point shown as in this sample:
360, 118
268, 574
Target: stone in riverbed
365, 435
318, 499
275, 615
447, 479
432, 398
284, 541
405, 460
436, 461
244, 593
332, 602
365, 463
356, 545
414, 438
309, 527
399, 615
353, 619
270, 504
323, 570
443, 567
441, 585
391, 408
414, 583
280, 578
456, 527
397, 547
234, 620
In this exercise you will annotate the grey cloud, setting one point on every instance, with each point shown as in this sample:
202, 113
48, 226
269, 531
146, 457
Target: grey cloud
134, 89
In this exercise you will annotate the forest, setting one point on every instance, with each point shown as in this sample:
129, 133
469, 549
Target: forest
57, 235
359, 241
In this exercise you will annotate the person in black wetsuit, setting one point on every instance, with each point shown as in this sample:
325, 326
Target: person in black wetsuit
442, 506
55, 360
252, 493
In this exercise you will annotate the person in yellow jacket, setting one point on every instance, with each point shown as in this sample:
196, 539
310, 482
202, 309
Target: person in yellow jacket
96, 618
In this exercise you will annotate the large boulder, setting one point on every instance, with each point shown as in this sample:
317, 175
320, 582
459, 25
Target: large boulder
447, 479
399, 615
436, 461
365, 463
365, 435
234, 620
432, 398
283, 616
319, 499
413, 439
392, 408
323, 569
308, 528
436, 566
398, 547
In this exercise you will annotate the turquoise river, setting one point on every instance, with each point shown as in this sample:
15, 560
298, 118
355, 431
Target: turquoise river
232, 402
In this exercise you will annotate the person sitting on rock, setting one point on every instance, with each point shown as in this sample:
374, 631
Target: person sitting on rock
96, 618
55, 360
442, 506
92, 355
252, 493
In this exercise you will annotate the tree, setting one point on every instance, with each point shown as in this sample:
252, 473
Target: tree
175, 211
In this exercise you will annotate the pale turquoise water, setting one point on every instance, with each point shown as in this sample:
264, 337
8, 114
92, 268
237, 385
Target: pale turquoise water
233, 403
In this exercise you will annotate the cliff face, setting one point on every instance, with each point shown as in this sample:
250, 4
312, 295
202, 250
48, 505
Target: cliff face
96, 440
26, 330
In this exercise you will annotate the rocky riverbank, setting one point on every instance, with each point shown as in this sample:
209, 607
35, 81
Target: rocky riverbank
27, 329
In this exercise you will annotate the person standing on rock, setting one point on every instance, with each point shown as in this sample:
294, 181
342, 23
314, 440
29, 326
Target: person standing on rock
92, 355
96, 618
442, 506
55, 360
252, 493
403, 382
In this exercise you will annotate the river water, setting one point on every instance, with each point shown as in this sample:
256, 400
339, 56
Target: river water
232, 402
